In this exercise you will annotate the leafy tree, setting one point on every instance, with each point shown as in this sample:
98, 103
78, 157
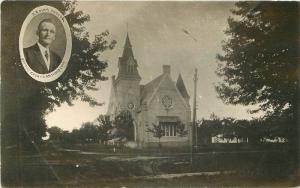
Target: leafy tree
104, 128
180, 129
261, 59
241, 129
277, 127
89, 132
257, 131
228, 128
75, 137
157, 132
254, 131
29, 101
213, 116
204, 131
124, 125
56, 134
67, 138
208, 128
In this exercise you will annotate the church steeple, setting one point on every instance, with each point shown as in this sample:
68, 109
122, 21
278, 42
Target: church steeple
127, 42
127, 52
127, 63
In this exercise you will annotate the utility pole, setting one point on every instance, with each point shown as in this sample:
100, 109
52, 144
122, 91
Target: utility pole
195, 109
194, 116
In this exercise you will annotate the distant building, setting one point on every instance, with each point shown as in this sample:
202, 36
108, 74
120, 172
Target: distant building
161, 101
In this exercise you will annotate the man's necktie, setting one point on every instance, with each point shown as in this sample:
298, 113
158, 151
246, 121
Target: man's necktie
47, 55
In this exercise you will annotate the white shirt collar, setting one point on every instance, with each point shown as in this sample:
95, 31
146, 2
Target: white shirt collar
43, 49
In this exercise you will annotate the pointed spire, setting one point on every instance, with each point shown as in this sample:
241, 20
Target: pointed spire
127, 63
127, 42
181, 87
127, 52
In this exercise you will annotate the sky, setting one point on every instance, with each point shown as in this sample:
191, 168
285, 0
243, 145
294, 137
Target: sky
184, 35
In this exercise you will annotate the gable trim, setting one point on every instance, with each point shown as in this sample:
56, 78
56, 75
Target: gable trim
174, 85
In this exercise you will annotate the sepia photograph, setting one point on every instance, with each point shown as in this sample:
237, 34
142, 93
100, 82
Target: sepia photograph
45, 43
150, 94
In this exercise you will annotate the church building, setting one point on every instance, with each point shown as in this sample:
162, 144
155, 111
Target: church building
161, 101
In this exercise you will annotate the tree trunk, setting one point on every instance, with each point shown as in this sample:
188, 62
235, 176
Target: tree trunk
159, 145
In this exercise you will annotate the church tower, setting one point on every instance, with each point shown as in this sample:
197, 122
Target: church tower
127, 84
127, 63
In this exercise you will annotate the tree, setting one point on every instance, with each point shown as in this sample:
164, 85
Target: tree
89, 132
75, 137
208, 128
241, 129
104, 128
124, 125
228, 129
30, 101
67, 138
180, 129
55, 134
157, 132
261, 59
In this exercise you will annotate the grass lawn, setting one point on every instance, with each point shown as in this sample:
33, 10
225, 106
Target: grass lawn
194, 181
102, 167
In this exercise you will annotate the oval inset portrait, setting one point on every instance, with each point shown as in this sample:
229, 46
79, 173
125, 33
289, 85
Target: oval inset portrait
45, 44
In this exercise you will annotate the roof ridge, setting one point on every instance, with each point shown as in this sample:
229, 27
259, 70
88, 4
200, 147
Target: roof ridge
152, 81
181, 87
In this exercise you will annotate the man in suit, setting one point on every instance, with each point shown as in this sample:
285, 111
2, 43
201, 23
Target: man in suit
40, 57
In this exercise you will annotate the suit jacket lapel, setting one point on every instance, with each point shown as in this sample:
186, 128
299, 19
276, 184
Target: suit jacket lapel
52, 65
40, 58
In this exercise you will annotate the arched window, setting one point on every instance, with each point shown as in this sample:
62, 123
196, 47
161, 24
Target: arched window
130, 66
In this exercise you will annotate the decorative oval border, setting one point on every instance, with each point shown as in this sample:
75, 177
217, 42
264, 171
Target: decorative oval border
49, 77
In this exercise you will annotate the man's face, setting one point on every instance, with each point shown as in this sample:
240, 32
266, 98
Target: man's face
46, 33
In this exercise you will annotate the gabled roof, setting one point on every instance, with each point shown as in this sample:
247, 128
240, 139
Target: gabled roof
148, 89
181, 87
